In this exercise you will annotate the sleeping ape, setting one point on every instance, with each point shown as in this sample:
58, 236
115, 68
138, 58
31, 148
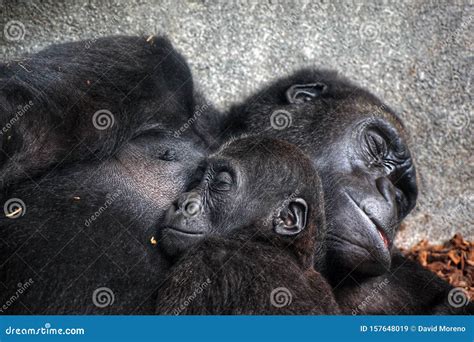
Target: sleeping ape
90, 159
359, 146
258, 213
97, 139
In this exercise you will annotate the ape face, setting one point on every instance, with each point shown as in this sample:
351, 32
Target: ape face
91, 194
249, 182
89, 225
358, 146
370, 186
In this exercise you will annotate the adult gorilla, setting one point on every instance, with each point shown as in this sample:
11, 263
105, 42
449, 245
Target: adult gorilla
95, 144
359, 146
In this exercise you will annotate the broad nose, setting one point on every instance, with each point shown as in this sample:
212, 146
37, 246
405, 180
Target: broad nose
189, 203
405, 181
386, 189
393, 196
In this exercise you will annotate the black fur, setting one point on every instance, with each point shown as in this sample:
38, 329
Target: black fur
92, 197
359, 147
65, 170
257, 268
407, 289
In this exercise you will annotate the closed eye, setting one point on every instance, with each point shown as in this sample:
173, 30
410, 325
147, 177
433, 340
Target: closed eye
376, 145
222, 181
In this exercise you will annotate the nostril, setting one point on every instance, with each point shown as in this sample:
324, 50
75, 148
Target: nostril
386, 189
174, 207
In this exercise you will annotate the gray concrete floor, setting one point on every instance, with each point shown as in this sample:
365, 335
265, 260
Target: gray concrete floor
416, 55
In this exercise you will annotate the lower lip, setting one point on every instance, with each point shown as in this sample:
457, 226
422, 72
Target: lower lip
182, 231
383, 237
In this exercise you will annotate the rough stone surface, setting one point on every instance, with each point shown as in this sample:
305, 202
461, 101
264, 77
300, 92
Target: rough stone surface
416, 55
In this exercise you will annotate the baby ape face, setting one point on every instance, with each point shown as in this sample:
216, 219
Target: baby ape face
248, 182
358, 146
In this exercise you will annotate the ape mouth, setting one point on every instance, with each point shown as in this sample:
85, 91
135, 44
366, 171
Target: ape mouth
382, 234
182, 231
378, 228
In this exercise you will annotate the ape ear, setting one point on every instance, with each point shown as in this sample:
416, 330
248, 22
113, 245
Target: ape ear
292, 219
300, 93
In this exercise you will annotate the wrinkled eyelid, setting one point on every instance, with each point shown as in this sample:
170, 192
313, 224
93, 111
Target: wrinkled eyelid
209, 176
225, 176
149, 129
377, 144
392, 138
220, 166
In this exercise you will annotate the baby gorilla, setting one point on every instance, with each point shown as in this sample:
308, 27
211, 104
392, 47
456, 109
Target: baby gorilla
256, 211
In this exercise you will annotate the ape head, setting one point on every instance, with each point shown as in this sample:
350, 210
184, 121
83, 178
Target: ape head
262, 188
357, 144
90, 155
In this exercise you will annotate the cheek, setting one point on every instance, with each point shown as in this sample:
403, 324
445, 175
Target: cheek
155, 181
223, 216
161, 183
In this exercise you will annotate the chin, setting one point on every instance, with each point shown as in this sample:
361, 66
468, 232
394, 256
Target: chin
373, 265
355, 246
357, 260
